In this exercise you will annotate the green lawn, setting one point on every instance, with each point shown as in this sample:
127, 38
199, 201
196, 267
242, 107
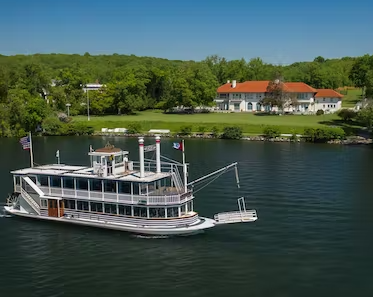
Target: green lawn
351, 98
250, 123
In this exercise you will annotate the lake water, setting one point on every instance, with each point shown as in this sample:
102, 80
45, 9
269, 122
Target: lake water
313, 236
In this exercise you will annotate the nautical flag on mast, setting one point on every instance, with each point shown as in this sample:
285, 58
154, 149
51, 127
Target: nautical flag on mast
25, 141
58, 154
178, 146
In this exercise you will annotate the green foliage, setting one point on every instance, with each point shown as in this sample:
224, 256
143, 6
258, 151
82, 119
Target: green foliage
323, 134
134, 128
215, 131
365, 117
319, 112
346, 114
134, 84
186, 130
53, 126
202, 129
271, 132
232, 132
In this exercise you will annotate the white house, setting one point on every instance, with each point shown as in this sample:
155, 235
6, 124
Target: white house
246, 97
328, 100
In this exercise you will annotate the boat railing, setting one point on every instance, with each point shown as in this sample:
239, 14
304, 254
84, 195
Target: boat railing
118, 197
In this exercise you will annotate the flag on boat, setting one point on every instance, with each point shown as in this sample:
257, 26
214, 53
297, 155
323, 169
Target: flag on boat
91, 148
25, 141
58, 154
178, 146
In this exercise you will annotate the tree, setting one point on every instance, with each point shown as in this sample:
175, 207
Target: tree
278, 95
365, 117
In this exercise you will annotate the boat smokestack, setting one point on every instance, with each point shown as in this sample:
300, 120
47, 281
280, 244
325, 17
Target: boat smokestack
158, 152
141, 156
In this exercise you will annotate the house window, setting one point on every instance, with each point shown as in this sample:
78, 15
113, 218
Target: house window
249, 106
250, 96
236, 106
258, 107
223, 96
236, 96
301, 96
323, 106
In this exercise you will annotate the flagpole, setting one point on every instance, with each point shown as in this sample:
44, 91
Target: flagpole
185, 168
31, 152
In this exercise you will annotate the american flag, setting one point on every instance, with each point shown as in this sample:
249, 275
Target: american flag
25, 141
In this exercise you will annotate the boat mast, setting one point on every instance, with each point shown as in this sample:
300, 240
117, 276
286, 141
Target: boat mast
185, 168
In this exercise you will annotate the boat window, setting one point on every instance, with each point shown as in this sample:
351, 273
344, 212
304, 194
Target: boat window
124, 187
143, 189
55, 181
183, 209
81, 184
118, 159
43, 179
95, 185
125, 210
33, 178
157, 212
172, 212
18, 180
69, 204
82, 205
140, 212
110, 186
43, 203
96, 206
190, 206
68, 182
110, 208
135, 189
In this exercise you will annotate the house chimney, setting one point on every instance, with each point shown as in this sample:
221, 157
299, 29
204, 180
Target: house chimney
228, 81
158, 152
141, 155
234, 83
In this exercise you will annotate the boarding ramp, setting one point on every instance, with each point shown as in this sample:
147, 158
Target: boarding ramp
240, 216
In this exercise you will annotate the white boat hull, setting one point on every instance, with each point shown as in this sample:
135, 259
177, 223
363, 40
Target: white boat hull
202, 224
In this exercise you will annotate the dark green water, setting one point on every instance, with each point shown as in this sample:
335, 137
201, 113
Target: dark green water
313, 236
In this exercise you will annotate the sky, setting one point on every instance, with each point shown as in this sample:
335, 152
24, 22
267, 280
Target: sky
279, 32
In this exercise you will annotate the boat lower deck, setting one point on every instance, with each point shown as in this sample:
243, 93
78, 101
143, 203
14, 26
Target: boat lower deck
199, 225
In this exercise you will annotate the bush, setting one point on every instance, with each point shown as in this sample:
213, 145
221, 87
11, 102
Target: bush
293, 136
323, 134
52, 126
271, 132
134, 128
202, 129
232, 133
319, 112
215, 131
186, 130
346, 114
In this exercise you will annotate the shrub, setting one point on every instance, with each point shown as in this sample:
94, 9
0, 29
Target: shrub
52, 126
232, 133
215, 131
323, 134
134, 128
319, 112
346, 114
271, 132
186, 130
293, 136
202, 129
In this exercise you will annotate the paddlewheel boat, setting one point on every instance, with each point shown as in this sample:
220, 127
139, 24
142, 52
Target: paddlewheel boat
145, 197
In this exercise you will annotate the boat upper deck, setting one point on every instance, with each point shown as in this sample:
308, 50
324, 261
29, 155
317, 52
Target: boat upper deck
88, 172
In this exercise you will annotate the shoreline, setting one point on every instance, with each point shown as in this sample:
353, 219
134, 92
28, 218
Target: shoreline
351, 140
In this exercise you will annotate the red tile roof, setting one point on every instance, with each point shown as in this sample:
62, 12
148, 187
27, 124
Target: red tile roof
261, 87
328, 93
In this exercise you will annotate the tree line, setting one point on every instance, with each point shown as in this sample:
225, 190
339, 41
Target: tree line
137, 83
